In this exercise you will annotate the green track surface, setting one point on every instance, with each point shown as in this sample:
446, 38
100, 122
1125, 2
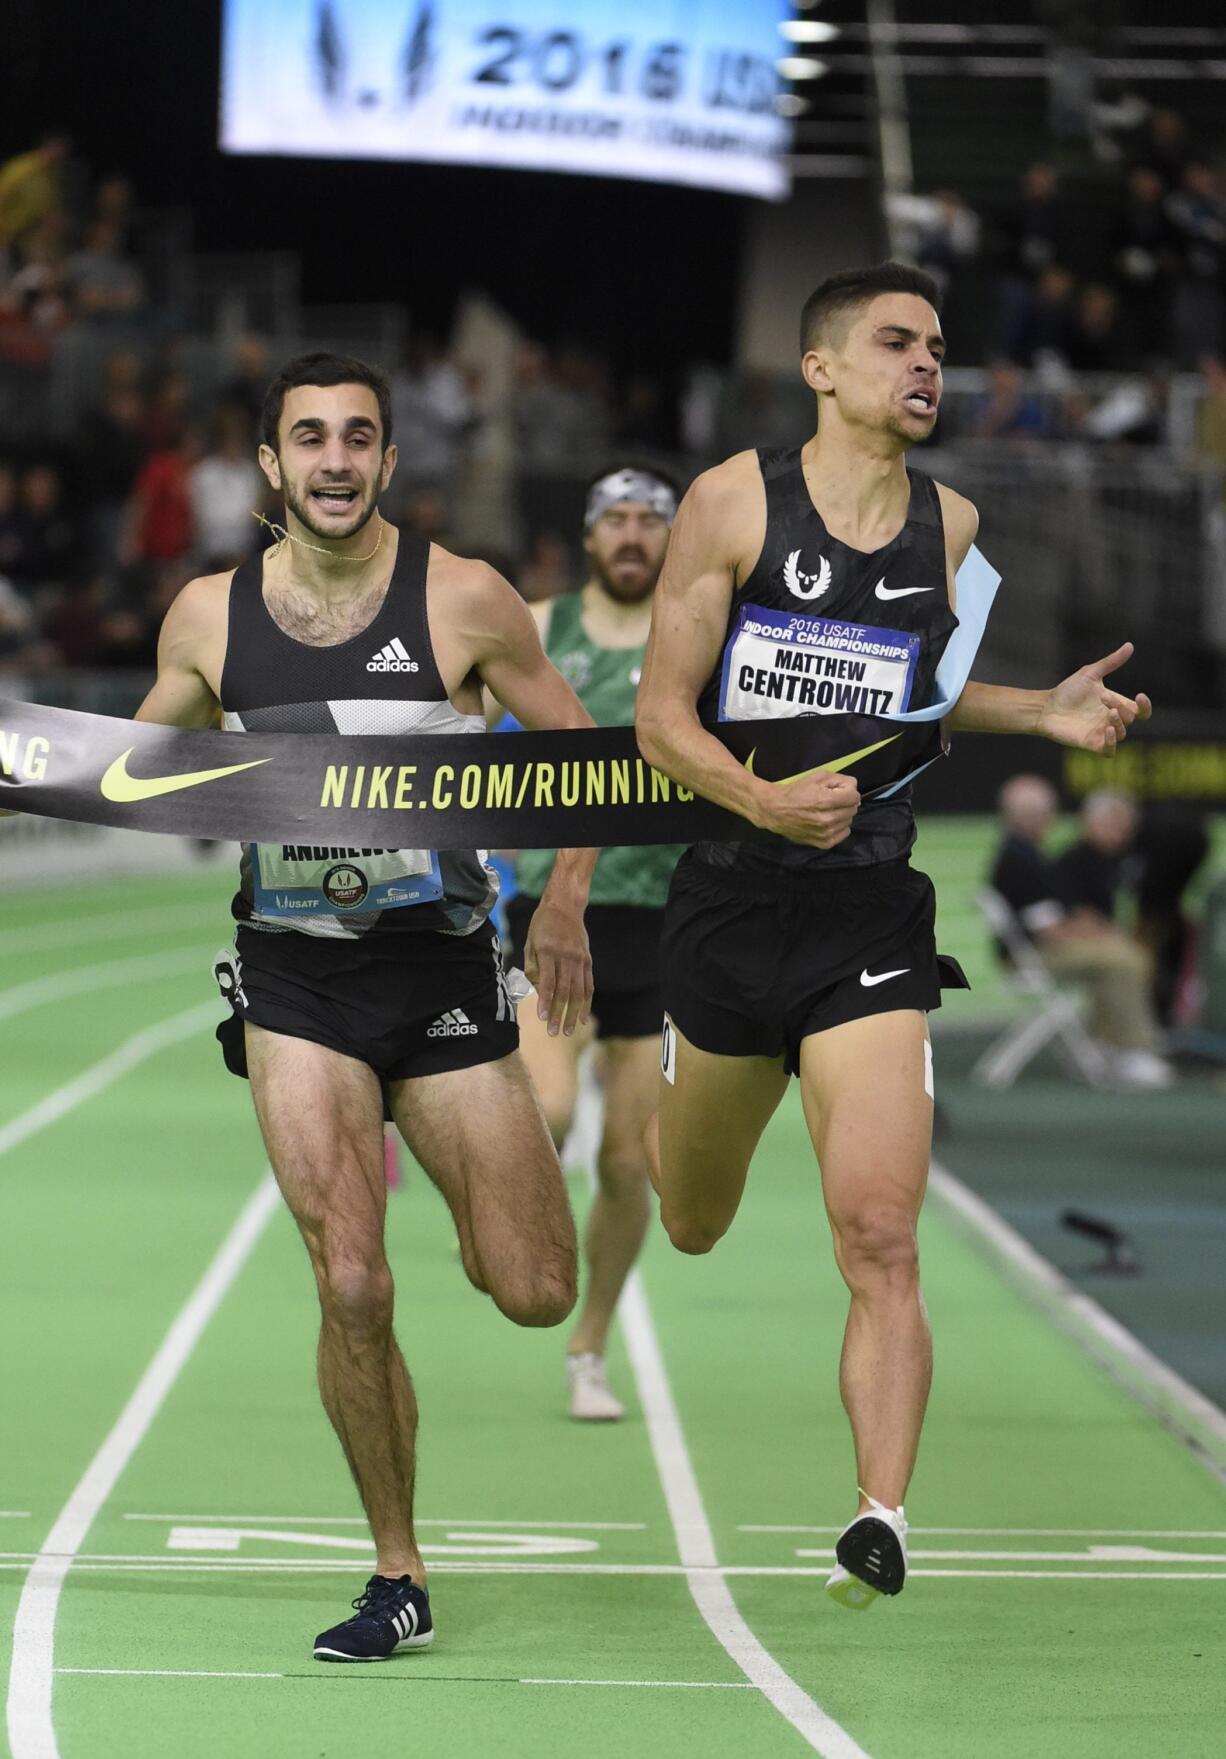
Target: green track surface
111, 1216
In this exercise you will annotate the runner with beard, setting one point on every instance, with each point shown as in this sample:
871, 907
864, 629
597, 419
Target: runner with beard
372, 978
597, 638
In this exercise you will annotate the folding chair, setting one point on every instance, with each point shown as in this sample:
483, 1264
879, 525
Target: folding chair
1054, 1017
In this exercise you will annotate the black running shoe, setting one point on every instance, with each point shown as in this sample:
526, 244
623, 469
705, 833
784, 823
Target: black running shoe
388, 1616
872, 1558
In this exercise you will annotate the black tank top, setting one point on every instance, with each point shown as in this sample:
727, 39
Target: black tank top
385, 680
820, 628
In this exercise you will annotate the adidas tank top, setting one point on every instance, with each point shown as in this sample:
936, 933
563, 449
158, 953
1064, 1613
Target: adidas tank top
821, 628
384, 681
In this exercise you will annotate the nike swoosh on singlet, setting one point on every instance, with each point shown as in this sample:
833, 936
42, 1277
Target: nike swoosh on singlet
884, 976
897, 592
119, 786
836, 763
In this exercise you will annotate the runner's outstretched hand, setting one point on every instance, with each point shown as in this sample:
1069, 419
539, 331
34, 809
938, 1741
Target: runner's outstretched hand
1083, 712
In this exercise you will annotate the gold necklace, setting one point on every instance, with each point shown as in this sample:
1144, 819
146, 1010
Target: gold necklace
282, 535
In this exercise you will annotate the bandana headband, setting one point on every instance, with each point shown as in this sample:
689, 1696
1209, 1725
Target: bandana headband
630, 485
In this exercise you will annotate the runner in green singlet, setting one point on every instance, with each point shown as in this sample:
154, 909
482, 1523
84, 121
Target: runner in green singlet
596, 639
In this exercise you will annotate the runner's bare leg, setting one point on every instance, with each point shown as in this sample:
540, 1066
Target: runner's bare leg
322, 1119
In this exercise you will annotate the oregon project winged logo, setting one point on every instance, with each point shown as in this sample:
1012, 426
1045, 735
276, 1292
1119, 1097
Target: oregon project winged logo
119, 786
802, 585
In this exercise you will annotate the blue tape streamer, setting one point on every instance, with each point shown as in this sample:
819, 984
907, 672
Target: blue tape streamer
975, 587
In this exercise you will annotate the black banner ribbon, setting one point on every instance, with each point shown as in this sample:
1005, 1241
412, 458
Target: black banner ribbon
578, 789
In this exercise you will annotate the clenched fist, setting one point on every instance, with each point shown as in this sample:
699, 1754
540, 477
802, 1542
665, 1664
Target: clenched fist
816, 809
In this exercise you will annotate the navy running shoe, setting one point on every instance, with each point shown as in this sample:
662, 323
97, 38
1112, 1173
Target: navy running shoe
389, 1615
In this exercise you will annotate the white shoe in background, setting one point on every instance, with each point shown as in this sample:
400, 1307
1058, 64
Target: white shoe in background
590, 1398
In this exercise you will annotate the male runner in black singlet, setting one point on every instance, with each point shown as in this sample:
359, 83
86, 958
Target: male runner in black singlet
813, 953
370, 976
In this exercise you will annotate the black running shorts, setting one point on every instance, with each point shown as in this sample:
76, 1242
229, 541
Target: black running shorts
625, 944
750, 965
408, 1005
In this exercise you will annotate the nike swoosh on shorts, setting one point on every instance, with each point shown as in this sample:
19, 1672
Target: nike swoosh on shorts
897, 592
884, 977
119, 786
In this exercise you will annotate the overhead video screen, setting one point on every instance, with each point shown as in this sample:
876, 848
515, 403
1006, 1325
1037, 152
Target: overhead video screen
674, 91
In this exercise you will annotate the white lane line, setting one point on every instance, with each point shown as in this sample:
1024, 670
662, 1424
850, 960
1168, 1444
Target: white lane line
122, 1563
82, 980
88, 931
668, 1685
1026, 1532
30, 1729
1179, 1407
14, 1514
696, 1542
360, 1521
92, 1081
169, 1673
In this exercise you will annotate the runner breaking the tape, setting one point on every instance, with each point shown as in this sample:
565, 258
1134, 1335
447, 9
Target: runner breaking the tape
821, 581
371, 977
596, 638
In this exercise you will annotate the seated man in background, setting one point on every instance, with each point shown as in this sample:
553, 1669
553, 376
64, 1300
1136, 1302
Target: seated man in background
1090, 871
1078, 944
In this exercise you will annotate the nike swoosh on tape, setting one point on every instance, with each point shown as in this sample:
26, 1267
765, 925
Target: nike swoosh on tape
836, 763
897, 592
884, 976
119, 786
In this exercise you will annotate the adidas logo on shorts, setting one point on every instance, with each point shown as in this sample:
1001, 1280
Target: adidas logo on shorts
395, 657
453, 1024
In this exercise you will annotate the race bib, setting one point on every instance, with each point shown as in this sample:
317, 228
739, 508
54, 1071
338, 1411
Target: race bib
781, 664
291, 881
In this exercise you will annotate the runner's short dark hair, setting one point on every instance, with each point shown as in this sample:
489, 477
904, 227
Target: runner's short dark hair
849, 289
324, 369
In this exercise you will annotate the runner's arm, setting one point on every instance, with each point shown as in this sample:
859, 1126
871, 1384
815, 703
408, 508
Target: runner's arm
1081, 711
181, 696
513, 668
688, 623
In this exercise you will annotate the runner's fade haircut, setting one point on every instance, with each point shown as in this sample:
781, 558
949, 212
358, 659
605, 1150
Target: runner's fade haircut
830, 307
324, 369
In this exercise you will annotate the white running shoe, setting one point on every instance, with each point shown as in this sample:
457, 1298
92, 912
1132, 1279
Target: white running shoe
590, 1398
872, 1554
1142, 1070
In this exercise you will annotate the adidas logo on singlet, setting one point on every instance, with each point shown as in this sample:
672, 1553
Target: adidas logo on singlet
394, 657
453, 1024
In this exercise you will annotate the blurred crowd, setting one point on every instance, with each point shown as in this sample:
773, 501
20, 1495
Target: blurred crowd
1120, 271
154, 477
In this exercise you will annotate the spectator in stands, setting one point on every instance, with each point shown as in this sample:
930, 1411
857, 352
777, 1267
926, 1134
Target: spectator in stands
1164, 147
1096, 342
22, 649
1143, 256
158, 524
1044, 337
104, 286
226, 487
10, 529
1170, 848
1037, 231
1007, 411
34, 304
110, 451
547, 570
1209, 455
74, 626
30, 189
642, 422
937, 232
1090, 871
246, 386
1076, 946
433, 414
49, 546
1197, 214
168, 411
425, 512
